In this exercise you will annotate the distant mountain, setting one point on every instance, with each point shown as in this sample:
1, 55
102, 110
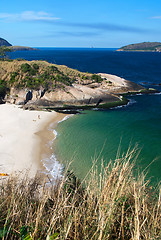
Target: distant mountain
3, 42
145, 46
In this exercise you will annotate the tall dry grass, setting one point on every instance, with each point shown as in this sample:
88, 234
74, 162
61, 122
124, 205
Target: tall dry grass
111, 205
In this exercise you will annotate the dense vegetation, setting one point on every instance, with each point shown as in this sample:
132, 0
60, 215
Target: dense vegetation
38, 74
97, 78
145, 46
3, 89
111, 205
30, 77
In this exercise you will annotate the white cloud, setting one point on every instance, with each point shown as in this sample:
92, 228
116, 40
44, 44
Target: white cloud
156, 17
28, 16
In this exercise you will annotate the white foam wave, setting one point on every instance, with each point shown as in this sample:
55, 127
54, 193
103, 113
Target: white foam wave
118, 107
132, 101
65, 118
136, 94
139, 94
53, 166
55, 134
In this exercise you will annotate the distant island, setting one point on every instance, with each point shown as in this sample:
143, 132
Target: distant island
4, 42
144, 47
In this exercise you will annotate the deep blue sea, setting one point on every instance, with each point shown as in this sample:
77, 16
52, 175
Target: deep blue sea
83, 137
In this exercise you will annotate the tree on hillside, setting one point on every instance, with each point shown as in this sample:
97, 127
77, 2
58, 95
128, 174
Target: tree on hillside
3, 52
3, 90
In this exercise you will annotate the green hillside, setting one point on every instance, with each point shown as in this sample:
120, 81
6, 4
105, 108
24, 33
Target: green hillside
145, 46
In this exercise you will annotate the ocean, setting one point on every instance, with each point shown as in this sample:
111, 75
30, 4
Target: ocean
98, 134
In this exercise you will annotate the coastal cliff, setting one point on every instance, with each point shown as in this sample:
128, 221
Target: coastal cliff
43, 84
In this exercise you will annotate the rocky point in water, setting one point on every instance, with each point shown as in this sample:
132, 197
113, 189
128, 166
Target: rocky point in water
54, 86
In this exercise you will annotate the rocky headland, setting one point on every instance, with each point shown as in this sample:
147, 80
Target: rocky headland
41, 84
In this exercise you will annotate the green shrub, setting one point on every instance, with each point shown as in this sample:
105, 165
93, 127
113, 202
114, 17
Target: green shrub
97, 78
64, 79
3, 52
13, 77
84, 77
20, 59
54, 69
3, 89
35, 66
26, 68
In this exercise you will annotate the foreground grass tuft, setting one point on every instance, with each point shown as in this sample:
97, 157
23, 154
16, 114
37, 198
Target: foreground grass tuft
111, 205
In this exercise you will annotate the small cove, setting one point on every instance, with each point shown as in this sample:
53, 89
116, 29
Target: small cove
82, 137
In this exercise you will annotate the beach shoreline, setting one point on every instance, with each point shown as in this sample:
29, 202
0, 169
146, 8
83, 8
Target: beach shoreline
46, 136
24, 138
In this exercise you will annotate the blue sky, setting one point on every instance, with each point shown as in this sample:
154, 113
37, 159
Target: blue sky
85, 23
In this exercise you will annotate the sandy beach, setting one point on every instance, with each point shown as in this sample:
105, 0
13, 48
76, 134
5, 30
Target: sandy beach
24, 137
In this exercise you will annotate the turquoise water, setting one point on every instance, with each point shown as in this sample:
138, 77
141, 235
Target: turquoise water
82, 137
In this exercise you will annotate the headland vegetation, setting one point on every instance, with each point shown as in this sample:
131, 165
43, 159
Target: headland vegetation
42, 84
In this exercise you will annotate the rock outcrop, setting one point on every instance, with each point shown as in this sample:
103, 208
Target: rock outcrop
76, 94
41, 83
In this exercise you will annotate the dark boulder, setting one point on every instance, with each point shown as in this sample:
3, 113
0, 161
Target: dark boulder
28, 96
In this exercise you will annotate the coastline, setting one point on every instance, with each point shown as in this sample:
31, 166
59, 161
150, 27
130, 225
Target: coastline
46, 136
26, 137
22, 135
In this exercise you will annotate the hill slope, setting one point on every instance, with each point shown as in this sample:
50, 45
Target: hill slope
3, 42
145, 46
